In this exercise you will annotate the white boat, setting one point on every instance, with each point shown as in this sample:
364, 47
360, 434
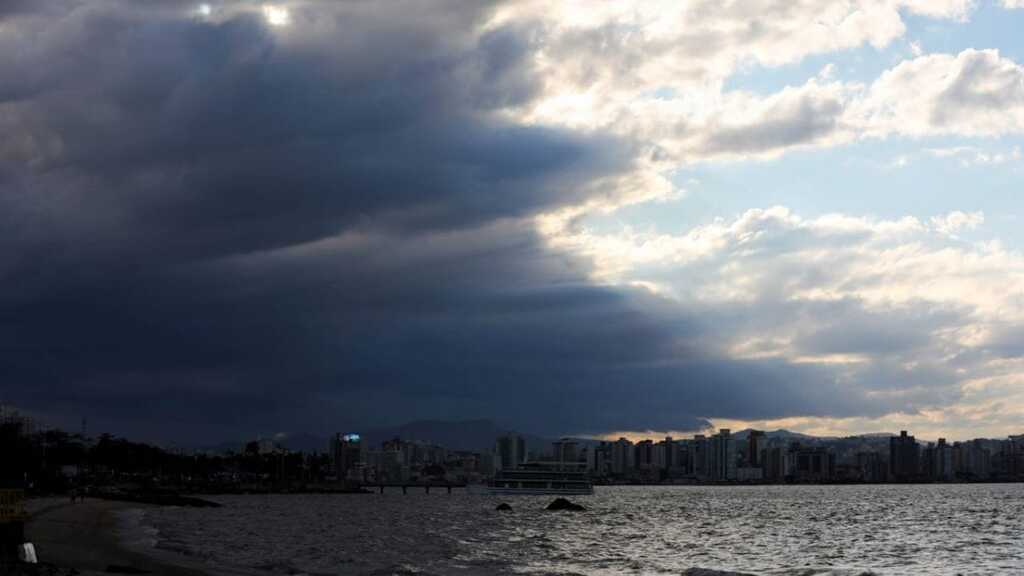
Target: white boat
539, 481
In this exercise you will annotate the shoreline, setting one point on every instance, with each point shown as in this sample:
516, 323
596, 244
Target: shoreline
86, 537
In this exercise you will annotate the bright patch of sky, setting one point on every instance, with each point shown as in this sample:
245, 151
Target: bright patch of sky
861, 64
990, 26
886, 178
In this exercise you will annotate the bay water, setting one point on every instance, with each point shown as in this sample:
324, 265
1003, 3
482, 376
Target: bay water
771, 530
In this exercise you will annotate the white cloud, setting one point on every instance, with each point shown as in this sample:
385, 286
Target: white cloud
1011, 4
956, 221
901, 161
968, 156
981, 419
656, 71
975, 93
955, 9
599, 58
900, 309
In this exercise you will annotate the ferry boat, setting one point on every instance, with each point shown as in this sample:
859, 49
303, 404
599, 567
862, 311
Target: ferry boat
540, 481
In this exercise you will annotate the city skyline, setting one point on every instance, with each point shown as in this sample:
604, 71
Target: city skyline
350, 461
750, 457
633, 435
467, 436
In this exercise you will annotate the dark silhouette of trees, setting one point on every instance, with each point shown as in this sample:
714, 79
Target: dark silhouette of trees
56, 461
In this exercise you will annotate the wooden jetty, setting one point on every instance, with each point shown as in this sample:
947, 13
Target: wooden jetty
380, 486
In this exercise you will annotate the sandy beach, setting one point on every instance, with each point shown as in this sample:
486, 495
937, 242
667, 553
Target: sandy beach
84, 536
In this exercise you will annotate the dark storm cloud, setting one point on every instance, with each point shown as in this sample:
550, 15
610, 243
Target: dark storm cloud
849, 327
219, 228
177, 128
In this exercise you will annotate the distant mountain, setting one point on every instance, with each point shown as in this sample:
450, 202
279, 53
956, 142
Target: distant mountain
222, 448
474, 435
480, 435
298, 442
305, 443
457, 435
780, 433
470, 435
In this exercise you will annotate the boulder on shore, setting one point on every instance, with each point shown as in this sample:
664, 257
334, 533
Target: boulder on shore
504, 507
563, 504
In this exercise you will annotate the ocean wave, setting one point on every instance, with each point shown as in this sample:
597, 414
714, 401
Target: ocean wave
132, 530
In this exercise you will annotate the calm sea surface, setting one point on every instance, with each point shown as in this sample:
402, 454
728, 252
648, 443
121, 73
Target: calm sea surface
798, 530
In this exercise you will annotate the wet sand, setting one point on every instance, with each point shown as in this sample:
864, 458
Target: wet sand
84, 536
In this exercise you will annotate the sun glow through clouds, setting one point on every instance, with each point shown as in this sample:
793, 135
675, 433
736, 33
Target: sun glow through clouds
276, 15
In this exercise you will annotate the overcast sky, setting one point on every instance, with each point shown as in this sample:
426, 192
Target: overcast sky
226, 219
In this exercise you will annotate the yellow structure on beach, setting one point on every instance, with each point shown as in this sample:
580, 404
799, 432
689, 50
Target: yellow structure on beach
12, 506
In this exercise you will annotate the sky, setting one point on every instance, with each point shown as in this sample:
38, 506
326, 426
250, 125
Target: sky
229, 219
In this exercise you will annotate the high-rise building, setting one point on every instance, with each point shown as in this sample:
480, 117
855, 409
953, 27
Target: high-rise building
622, 457
755, 443
777, 463
973, 461
599, 460
682, 458
19, 423
904, 457
722, 456
509, 452
266, 446
644, 455
940, 461
348, 453
871, 467
387, 464
811, 464
565, 451
699, 454
666, 454
1013, 450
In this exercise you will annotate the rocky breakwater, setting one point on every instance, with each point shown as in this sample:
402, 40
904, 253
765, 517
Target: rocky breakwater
561, 504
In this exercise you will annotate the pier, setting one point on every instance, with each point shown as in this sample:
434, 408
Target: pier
380, 486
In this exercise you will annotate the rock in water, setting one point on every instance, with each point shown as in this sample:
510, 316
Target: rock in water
563, 504
503, 507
